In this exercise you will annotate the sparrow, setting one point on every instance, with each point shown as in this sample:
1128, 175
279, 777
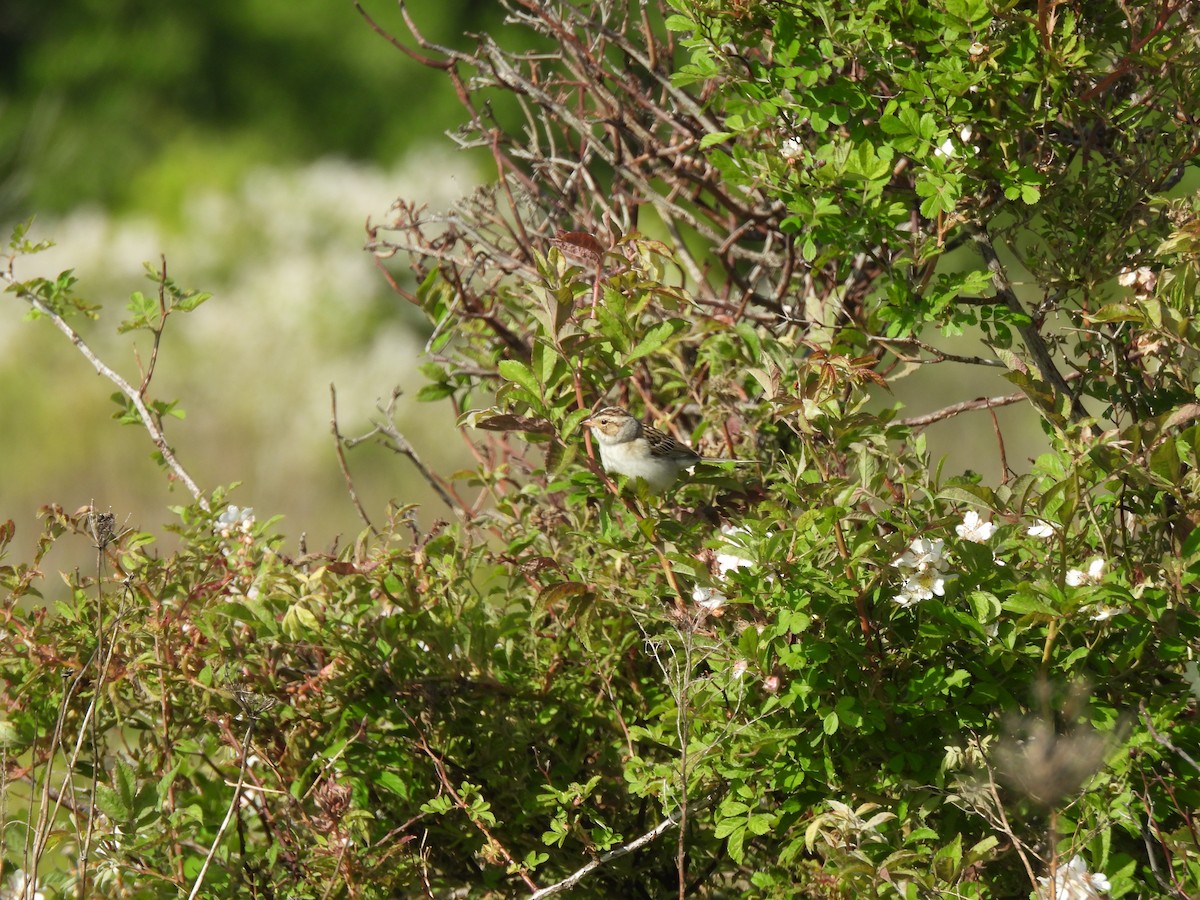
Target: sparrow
638, 450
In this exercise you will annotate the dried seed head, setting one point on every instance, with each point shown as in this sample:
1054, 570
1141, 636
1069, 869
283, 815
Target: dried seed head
253, 703
333, 799
103, 526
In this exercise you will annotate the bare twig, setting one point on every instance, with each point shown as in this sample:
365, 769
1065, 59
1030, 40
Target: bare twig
636, 844
101, 526
592, 103
954, 409
157, 331
1165, 741
41, 830
338, 448
1034, 342
48, 815
1002, 819
252, 708
938, 356
129, 391
400, 444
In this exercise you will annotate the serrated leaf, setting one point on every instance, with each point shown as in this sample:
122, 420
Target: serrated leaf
110, 803
655, 338
517, 372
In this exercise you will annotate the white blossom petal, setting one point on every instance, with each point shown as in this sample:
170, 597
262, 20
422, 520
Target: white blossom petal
974, 528
1041, 529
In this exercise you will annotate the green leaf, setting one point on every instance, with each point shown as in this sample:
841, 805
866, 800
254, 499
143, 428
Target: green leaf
1028, 604
655, 338
564, 590
144, 312
392, 782
517, 372
119, 801
111, 804
716, 137
190, 300
433, 392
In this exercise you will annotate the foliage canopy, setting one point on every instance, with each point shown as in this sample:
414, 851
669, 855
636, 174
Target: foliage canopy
842, 675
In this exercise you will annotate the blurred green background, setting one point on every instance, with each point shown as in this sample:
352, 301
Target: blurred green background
248, 141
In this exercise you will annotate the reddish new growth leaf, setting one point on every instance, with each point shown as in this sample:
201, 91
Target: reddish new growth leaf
579, 246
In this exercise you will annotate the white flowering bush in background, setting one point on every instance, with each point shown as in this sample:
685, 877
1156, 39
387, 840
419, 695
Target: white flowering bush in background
298, 307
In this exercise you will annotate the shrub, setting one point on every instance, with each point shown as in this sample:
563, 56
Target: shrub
838, 673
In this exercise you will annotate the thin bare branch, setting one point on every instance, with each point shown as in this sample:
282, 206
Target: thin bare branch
1034, 342
636, 844
149, 421
339, 443
400, 444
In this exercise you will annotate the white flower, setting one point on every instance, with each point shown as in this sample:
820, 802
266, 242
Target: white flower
921, 586
1102, 612
739, 668
922, 566
709, 598
730, 562
922, 554
1142, 280
1041, 529
727, 561
791, 149
948, 147
233, 519
1093, 575
1073, 882
974, 529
